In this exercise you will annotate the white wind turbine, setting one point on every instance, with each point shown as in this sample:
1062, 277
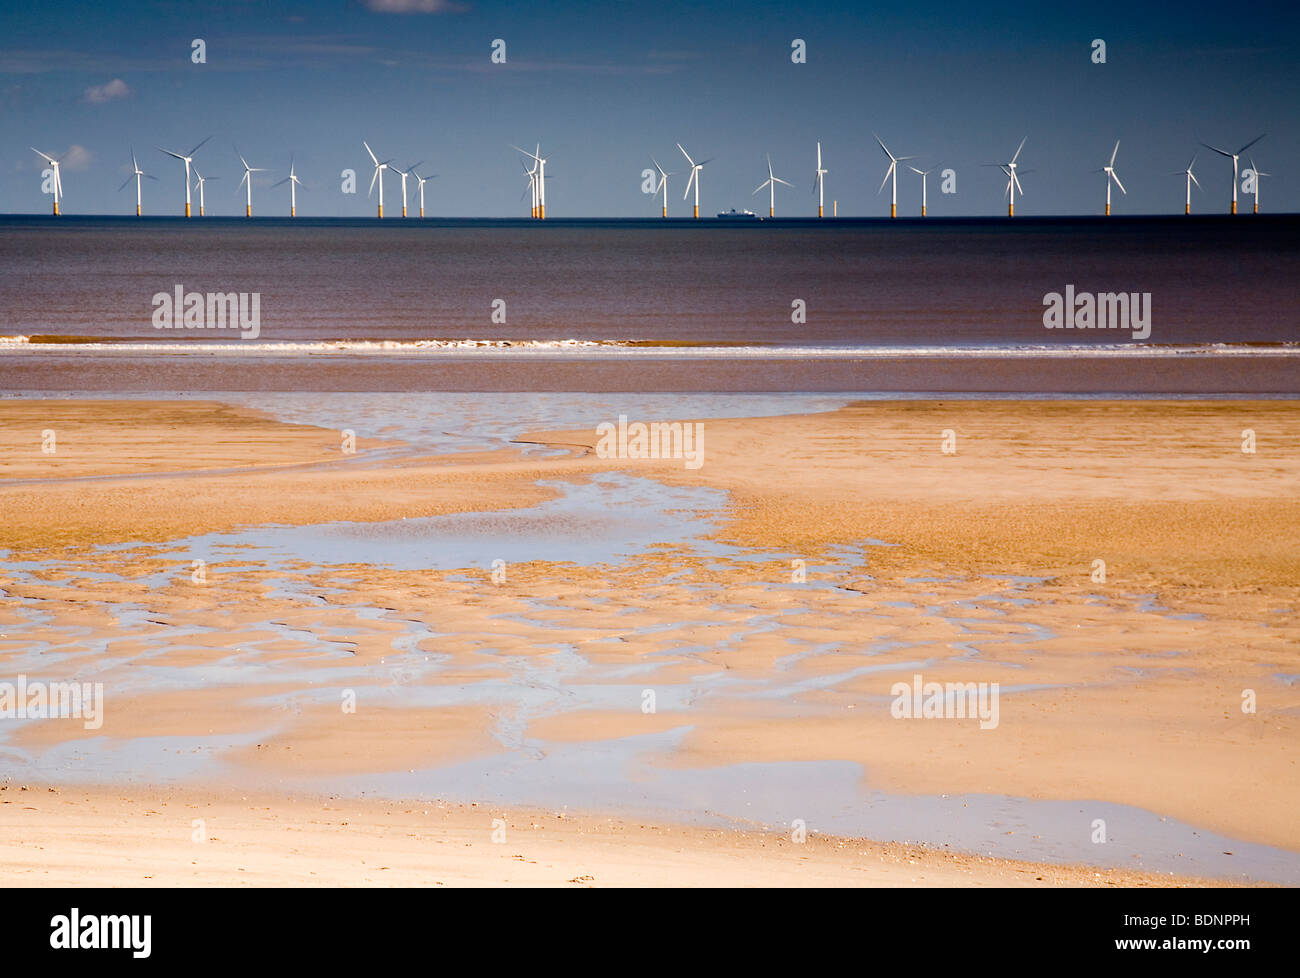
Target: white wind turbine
892, 172
58, 182
663, 182
694, 178
293, 181
819, 181
1258, 173
200, 180
532, 186
1109, 170
247, 180
379, 175
1234, 157
924, 175
771, 182
422, 181
188, 158
404, 174
1013, 184
1191, 179
136, 174
539, 180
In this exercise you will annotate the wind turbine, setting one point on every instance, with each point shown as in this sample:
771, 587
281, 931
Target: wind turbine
248, 180
663, 182
136, 174
1013, 184
771, 182
379, 175
1191, 179
404, 174
694, 178
924, 174
188, 158
200, 179
1109, 170
1234, 157
892, 172
58, 183
532, 186
539, 180
1258, 173
293, 181
422, 181
819, 181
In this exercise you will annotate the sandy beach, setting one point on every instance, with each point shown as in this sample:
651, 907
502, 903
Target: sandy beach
830, 556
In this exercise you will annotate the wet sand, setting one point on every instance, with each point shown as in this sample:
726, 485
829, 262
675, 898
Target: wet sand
1124, 692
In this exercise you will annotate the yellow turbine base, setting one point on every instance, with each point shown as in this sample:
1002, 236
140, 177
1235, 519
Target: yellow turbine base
1011, 210
137, 210
541, 212
200, 210
819, 211
1188, 209
1234, 207
697, 212
422, 212
771, 212
1108, 210
1257, 208
293, 212
403, 210
893, 210
381, 212
923, 210
187, 209
248, 210
665, 210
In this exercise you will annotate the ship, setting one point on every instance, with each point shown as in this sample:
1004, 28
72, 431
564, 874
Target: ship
735, 215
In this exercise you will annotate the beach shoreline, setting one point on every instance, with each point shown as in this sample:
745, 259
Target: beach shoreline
1123, 695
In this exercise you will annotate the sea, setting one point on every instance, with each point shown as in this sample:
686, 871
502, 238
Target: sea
911, 305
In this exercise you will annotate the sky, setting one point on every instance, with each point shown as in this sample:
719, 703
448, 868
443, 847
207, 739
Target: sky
604, 86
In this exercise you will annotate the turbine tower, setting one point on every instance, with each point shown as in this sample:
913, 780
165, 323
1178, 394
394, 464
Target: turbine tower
58, 183
422, 181
187, 159
200, 180
663, 182
404, 174
1258, 173
892, 172
1109, 170
247, 180
1013, 183
924, 174
293, 181
819, 181
136, 174
1190, 179
539, 180
694, 178
771, 182
379, 175
1234, 157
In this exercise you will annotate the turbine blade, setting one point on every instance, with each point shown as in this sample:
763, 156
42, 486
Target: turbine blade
779, 180
169, 152
1018, 149
197, 148
886, 180
1115, 176
761, 186
1251, 143
1194, 180
125, 182
373, 178
1217, 150
1113, 152
373, 157
686, 154
39, 153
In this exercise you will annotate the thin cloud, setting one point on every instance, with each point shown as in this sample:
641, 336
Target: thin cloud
97, 94
415, 6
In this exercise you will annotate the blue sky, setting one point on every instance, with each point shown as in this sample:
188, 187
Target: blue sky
603, 86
